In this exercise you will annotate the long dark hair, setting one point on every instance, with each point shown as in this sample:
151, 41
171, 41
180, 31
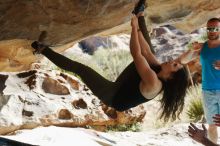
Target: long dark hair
174, 91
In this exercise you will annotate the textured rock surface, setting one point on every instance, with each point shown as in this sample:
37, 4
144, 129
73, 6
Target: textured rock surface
16, 55
68, 20
25, 104
55, 136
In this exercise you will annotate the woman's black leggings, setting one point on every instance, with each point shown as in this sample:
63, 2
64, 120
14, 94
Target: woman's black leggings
104, 89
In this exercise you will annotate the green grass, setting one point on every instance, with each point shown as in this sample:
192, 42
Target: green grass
135, 127
195, 110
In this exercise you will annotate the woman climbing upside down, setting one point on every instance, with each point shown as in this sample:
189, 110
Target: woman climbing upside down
141, 81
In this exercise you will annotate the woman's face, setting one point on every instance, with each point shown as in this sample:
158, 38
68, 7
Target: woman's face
167, 68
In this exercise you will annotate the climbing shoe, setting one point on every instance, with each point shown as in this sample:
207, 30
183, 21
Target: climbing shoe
139, 7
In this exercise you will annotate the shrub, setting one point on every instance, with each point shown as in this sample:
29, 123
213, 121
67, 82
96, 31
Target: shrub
135, 127
112, 62
195, 110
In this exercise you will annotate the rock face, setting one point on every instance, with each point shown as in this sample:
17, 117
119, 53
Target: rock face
16, 55
27, 102
68, 20
170, 136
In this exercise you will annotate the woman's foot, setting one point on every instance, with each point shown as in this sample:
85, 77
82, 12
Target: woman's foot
139, 7
38, 46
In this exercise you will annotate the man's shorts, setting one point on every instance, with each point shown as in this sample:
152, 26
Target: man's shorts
211, 104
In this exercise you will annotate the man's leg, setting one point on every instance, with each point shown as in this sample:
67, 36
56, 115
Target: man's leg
211, 108
213, 133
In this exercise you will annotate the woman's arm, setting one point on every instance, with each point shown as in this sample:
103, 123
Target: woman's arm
146, 73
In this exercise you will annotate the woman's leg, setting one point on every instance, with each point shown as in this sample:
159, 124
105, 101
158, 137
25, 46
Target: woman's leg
104, 89
143, 28
127, 73
101, 87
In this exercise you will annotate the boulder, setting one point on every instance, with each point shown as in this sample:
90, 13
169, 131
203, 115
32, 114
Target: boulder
67, 20
27, 101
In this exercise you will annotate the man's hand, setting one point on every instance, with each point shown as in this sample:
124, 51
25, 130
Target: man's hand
216, 120
217, 65
197, 134
197, 46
